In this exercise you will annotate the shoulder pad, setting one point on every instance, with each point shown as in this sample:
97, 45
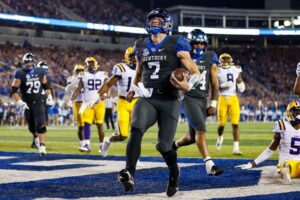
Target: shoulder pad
279, 126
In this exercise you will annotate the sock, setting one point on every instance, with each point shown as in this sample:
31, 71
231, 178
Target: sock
81, 143
133, 149
87, 131
87, 142
170, 158
236, 146
42, 144
208, 164
100, 144
220, 139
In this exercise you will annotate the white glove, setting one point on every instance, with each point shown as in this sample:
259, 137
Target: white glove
146, 92
245, 166
49, 101
226, 84
23, 105
82, 107
298, 69
91, 103
141, 91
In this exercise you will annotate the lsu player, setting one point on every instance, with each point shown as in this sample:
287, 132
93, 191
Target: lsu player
92, 108
123, 74
297, 82
72, 82
287, 138
230, 81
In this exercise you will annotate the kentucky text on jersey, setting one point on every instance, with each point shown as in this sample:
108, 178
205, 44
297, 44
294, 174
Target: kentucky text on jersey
154, 58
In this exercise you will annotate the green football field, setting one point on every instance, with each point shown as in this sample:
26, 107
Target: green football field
254, 138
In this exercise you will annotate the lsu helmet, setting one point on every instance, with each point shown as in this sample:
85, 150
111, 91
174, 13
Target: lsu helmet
198, 36
293, 112
78, 69
91, 64
42, 65
225, 60
165, 25
28, 62
130, 57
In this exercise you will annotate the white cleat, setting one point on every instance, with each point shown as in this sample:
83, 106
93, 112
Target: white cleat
86, 148
104, 147
139, 164
42, 150
237, 152
286, 177
219, 143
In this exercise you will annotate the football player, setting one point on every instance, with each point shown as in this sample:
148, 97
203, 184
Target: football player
123, 74
31, 81
194, 103
297, 83
230, 80
72, 82
286, 137
92, 108
157, 57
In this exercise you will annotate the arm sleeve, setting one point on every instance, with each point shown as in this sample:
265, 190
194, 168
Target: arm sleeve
182, 44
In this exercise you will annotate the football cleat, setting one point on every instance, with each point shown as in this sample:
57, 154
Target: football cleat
219, 143
126, 179
173, 184
86, 148
237, 152
215, 171
286, 177
42, 150
104, 147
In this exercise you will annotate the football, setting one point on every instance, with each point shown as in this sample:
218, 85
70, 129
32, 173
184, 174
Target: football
179, 73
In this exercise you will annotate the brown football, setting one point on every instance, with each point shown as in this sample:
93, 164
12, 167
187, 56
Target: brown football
179, 73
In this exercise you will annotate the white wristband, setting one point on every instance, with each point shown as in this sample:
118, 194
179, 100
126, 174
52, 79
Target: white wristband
214, 103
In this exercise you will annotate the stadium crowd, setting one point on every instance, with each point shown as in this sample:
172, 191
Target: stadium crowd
112, 12
265, 99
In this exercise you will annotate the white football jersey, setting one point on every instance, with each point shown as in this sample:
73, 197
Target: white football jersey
229, 74
127, 76
289, 147
92, 83
72, 83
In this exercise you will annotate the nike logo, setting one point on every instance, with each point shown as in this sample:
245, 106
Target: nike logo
159, 50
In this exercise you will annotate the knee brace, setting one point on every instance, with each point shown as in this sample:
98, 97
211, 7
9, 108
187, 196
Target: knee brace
42, 129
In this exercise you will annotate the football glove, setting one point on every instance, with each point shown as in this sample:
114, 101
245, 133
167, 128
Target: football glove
23, 105
298, 69
49, 101
141, 91
82, 107
245, 166
91, 103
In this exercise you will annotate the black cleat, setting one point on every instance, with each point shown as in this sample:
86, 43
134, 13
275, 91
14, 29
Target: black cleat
33, 145
173, 184
174, 147
126, 179
216, 171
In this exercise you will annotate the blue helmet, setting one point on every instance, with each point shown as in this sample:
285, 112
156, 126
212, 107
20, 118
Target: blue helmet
42, 65
166, 25
198, 36
28, 57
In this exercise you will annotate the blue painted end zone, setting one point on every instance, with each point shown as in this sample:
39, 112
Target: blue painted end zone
152, 180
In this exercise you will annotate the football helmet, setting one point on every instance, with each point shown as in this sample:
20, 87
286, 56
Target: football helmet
198, 36
28, 62
78, 69
165, 25
130, 57
91, 64
42, 65
225, 60
293, 112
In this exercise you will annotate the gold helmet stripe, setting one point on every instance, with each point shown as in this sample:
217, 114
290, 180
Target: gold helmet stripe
121, 67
